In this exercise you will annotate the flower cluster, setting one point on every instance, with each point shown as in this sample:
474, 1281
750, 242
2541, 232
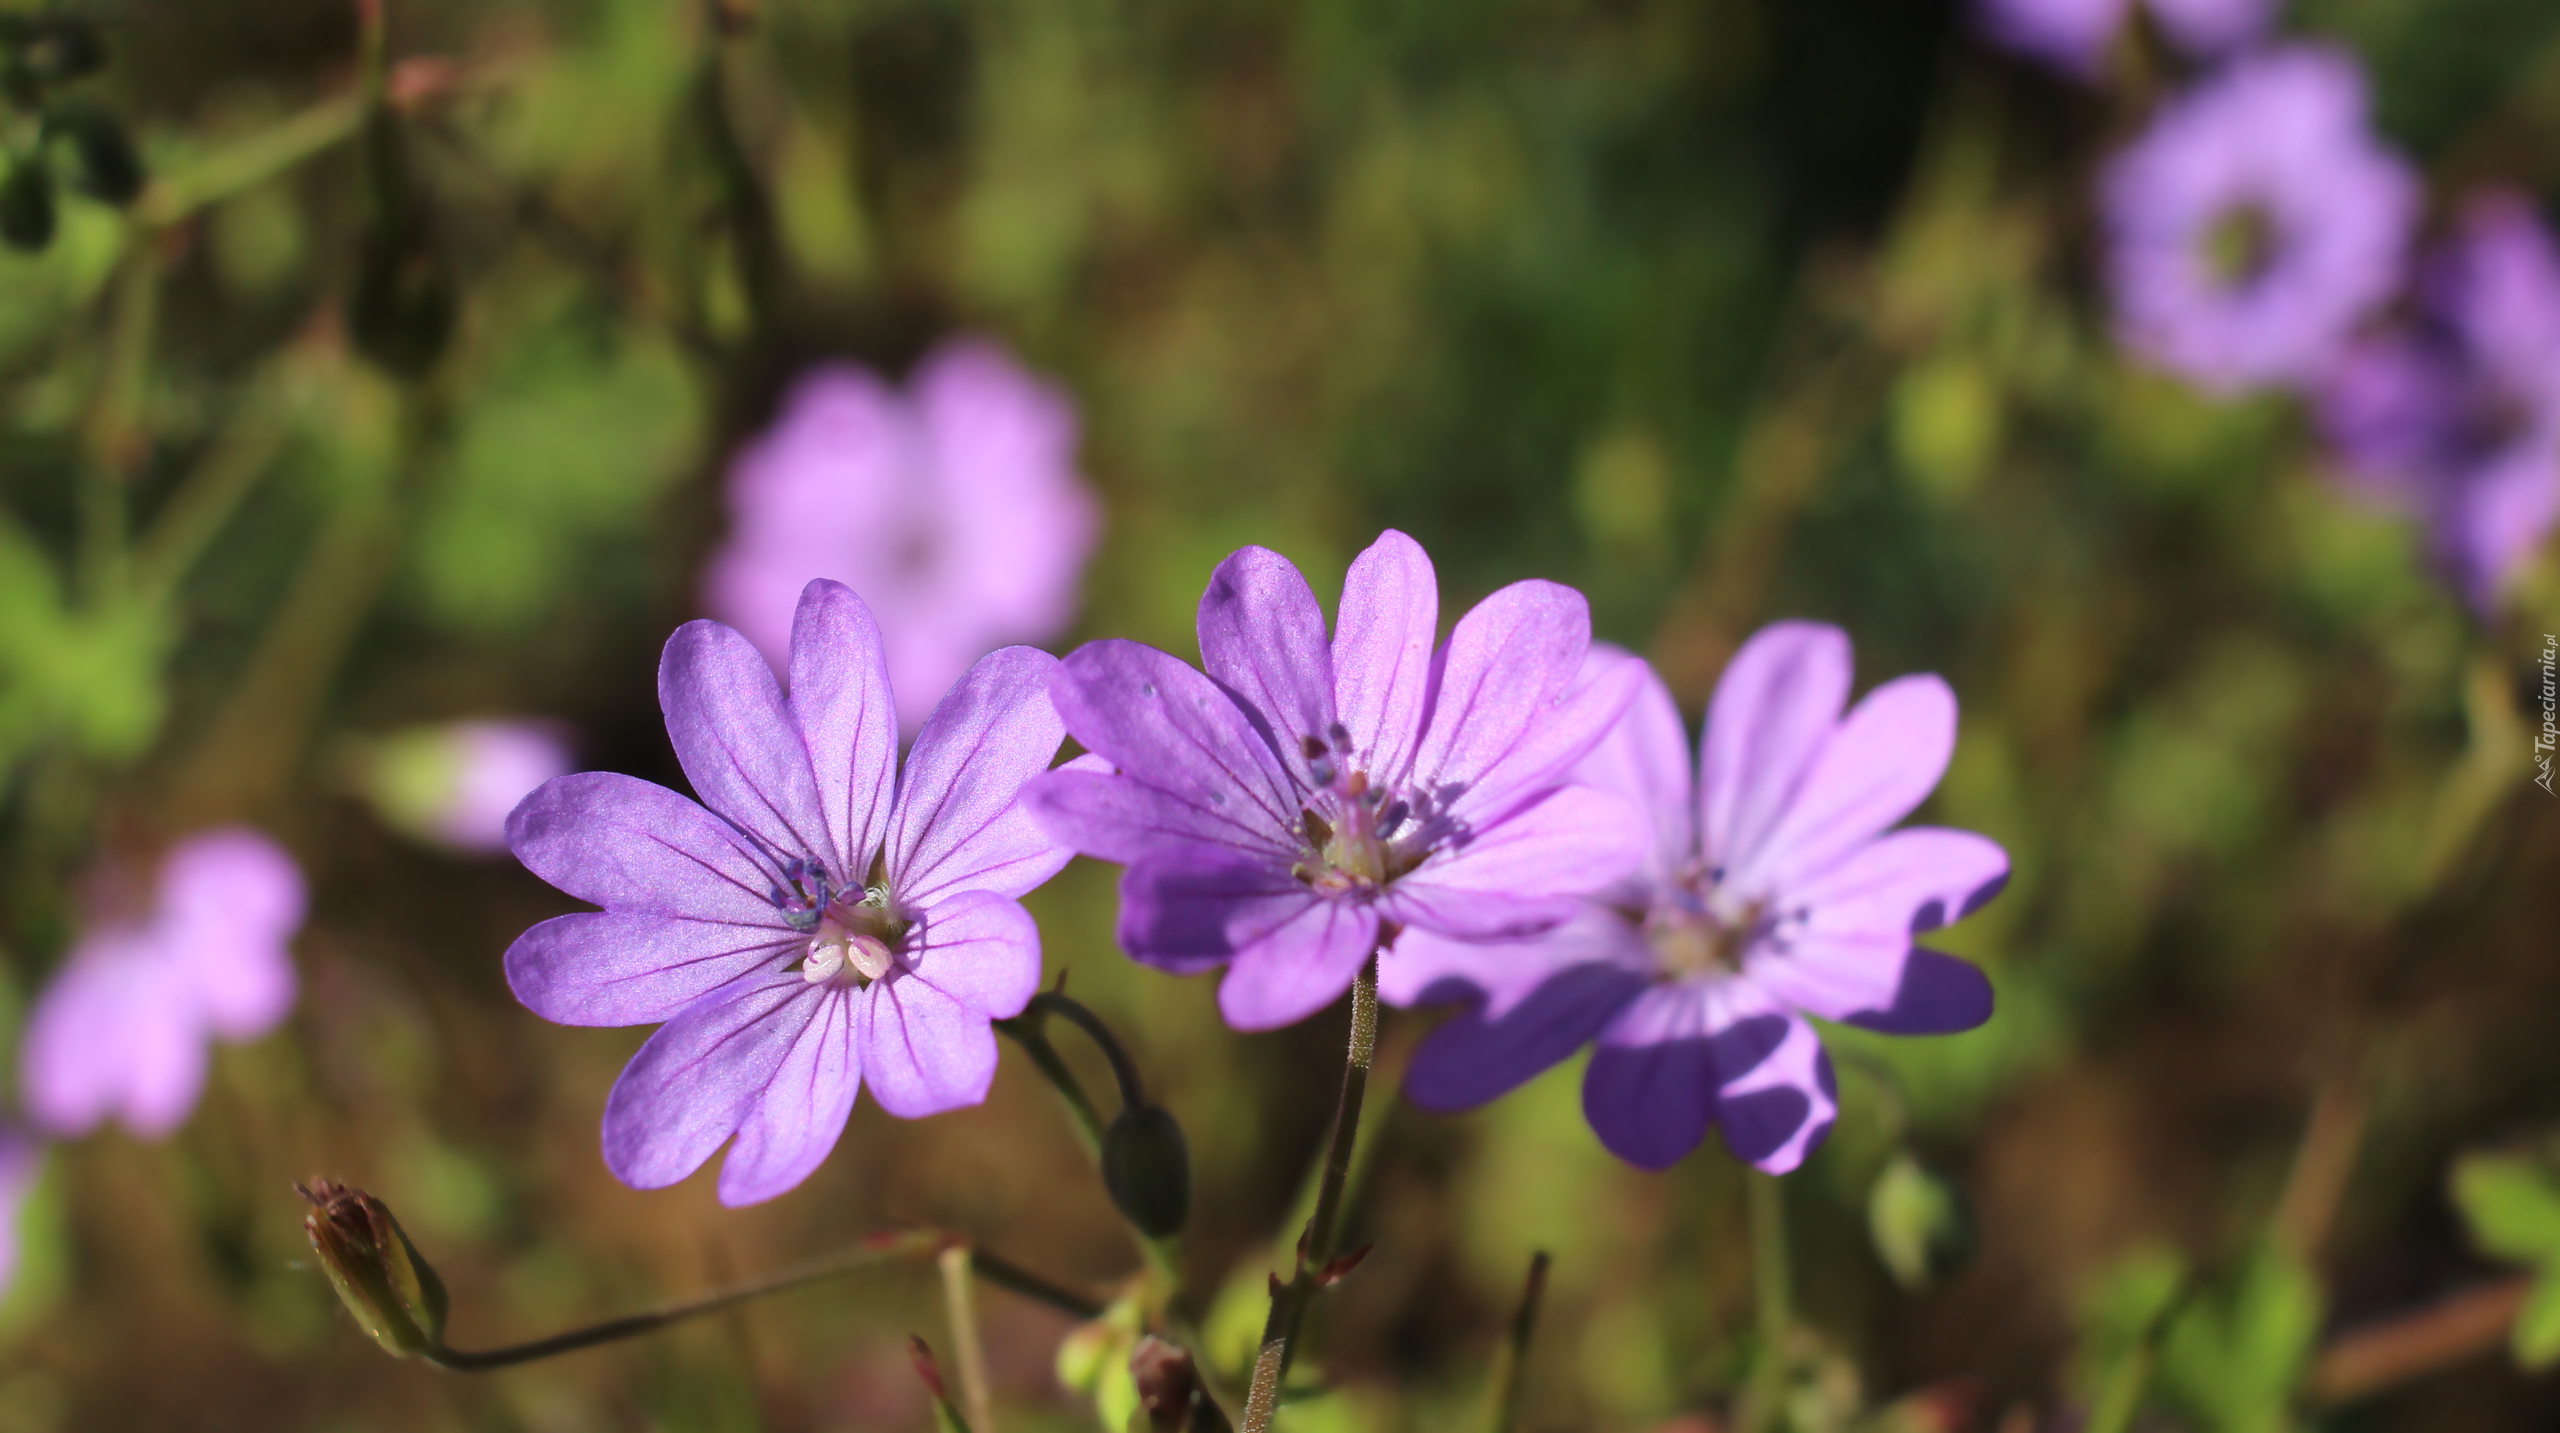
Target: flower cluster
1504, 816
2257, 229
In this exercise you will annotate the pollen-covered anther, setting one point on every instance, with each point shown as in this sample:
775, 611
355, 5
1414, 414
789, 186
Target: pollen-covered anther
854, 945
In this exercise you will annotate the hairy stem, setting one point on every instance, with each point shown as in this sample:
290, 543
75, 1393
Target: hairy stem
1316, 1247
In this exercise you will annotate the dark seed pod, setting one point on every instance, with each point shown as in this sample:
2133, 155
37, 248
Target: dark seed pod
26, 207
1146, 1165
105, 163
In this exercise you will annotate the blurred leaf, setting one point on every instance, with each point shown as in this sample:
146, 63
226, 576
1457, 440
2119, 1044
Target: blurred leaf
89, 678
553, 479
2235, 1361
1946, 423
2512, 1205
2537, 1333
1919, 1222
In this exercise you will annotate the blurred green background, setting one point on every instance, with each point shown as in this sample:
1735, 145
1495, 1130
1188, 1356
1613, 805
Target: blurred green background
1721, 310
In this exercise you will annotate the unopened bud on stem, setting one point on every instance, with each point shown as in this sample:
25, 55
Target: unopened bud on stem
1146, 1166
377, 1272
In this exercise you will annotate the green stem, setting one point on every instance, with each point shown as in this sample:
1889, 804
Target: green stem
986, 1266
249, 163
206, 498
966, 1346
1771, 1296
1511, 1379
115, 439
1316, 1247
1030, 1031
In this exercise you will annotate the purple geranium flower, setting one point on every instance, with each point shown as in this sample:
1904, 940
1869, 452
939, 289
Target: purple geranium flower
1287, 813
1771, 890
2256, 223
2073, 34
2457, 416
123, 1029
954, 507
827, 923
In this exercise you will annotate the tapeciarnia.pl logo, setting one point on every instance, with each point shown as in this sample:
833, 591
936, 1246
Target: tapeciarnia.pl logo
2544, 743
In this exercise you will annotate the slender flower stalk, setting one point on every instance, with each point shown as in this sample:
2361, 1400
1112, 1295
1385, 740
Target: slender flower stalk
966, 1344
1773, 1302
1318, 1264
1510, 1382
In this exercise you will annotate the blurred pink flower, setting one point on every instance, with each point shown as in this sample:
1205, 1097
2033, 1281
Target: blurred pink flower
454, 784
123, 1029
953, 508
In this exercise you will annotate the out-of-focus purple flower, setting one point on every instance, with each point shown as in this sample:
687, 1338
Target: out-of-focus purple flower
1771, 890
123, 1030
455, 783
2456, 417
954, 508
2073, 35
21, 1158
827, 923
2256, 222
1286, 813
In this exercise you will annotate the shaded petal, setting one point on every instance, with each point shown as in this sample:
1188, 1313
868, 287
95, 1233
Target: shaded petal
636, 967
1424, 967
980, 948
1382, 640
1206, 777
841, 703
630, 845
1644, 756
1649, 1091
1881, 761
795, 1122
1262, 637
1776, 702
959, 822
1777, 1110
1477, 1055
1190, 911
1508, 878
1293, 967
1908, 881
1937, 995
923, 1051
691, 1084
1502, 669
738, 742
229, 902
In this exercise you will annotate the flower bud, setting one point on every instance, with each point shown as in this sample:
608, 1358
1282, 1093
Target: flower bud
1919, 1220
1147, 1168
105, 164
26, 207
376, 1270
51, 49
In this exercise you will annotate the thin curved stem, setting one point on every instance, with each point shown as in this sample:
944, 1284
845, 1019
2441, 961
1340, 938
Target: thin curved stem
996, 1271
1772, 1296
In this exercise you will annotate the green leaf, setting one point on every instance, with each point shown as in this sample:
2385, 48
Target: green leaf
2537, 1331
2233, 1362
2512, 1204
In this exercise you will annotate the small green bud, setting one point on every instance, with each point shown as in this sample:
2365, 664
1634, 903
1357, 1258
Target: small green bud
377, 1272
105, 164
1922, 1227
1146, 1165
26, 207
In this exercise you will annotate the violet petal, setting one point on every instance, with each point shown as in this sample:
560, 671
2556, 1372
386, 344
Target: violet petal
738, 743
636, 967
1475, 1055
959, 823
1382, 643
695, 1080
1772, 708
630, 845
1262, 638
923, 1051
840, 702
793, 1123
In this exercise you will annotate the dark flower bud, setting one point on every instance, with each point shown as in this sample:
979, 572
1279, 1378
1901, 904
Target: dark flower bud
1146, 1165
105, 163
377, 1272
1169, 1389
26, 207
403, 309
1921, 1224
50, 49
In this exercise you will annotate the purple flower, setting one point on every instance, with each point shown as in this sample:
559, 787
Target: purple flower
827, 923
123, 1029
2256, 222
1285, 814
454, 784
954, 507
2457, 416
21, 1158
1771, 890
2073, 35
